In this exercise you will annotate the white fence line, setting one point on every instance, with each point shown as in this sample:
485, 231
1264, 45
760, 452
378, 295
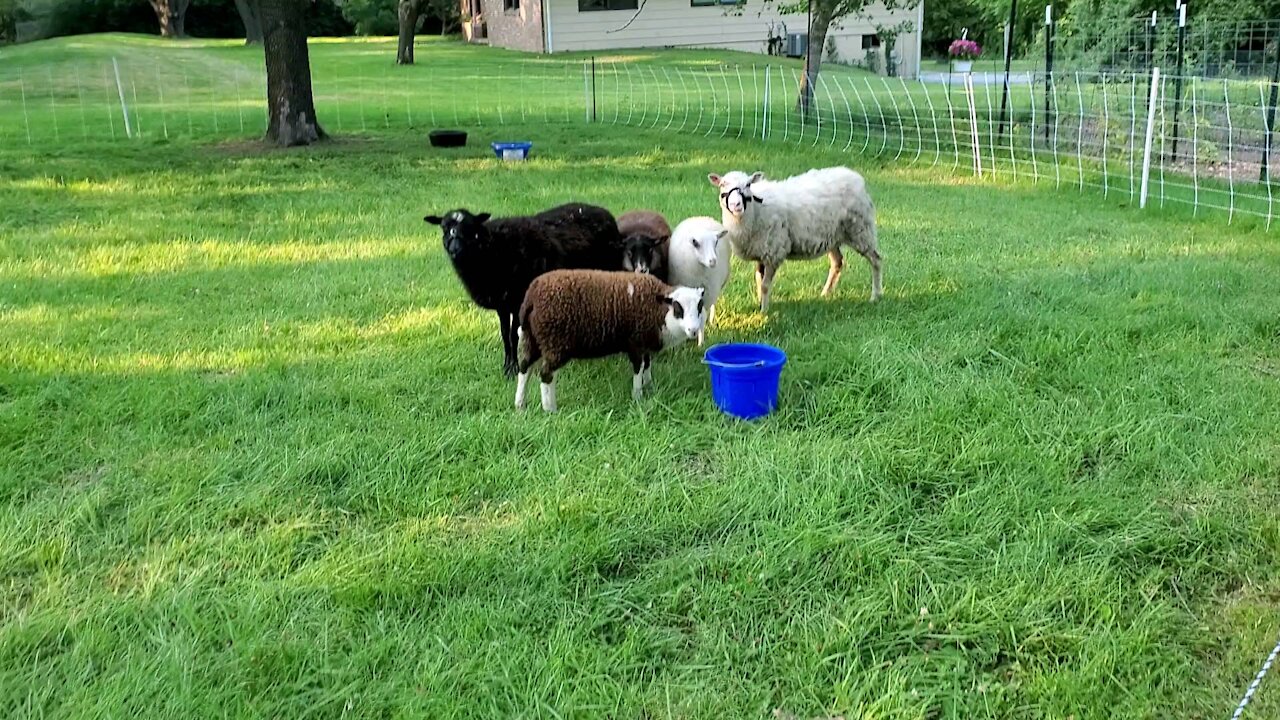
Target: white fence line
1081, 130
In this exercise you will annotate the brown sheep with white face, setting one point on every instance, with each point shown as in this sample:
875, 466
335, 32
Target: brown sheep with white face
582, 314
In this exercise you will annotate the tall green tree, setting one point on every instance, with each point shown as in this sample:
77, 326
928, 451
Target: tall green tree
825, 14
291, 107
172, 15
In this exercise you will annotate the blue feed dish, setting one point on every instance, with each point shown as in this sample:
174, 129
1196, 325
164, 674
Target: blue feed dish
511, 150
744, 378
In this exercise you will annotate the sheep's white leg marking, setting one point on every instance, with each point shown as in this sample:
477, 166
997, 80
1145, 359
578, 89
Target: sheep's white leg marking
549, 396
637, 385
522, 381
711, 314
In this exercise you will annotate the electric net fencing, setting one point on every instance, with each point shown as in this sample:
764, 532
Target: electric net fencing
1151, 137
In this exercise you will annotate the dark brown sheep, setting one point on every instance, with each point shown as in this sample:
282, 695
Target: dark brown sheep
582, 314
645, 235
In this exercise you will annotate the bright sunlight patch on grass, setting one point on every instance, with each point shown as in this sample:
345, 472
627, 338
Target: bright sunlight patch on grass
256, 456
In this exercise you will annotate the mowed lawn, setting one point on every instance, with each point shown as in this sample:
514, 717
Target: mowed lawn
257, 457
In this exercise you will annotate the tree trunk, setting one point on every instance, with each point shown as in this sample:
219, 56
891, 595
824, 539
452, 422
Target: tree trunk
252, 24
290, 104
172, 15
408, 26
813, 57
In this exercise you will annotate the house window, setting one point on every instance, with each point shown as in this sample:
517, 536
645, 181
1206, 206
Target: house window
703, 3
510, 5
870, 41
593, 5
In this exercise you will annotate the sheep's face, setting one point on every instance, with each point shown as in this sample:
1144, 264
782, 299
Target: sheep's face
460, 229
685, 315
706, 245
735, 191
641, 253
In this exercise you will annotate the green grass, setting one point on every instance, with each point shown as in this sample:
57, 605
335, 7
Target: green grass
256, 458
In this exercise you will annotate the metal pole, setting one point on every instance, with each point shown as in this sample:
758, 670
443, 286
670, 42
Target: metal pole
1264, 172
1177, 84
1151, 122
764, 118
1008, 59
1151, 34
593, 88
124, 109
1048, 64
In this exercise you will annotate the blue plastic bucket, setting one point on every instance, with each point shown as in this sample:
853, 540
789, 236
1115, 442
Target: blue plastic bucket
511, 151
744, 378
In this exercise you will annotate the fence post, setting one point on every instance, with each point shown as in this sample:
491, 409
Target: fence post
1151, 35
764, 122
586, 92
124, 109
1008, 59
1151, 122
1264, 173
1177, 84
593, 88
973, 124
1048, 67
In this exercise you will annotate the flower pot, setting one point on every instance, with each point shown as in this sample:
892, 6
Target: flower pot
963, 66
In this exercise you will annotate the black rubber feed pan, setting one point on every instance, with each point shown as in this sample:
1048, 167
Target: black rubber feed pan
447, 138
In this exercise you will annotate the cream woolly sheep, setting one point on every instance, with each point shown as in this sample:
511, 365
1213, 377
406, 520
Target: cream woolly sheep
581, 314
800, 218
700, 256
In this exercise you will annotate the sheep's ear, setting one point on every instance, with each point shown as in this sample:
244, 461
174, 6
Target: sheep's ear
755, 177
721, 233
483, 217
665, 300
714, 178
433, 219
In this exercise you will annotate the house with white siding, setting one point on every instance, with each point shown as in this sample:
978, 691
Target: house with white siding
562, 25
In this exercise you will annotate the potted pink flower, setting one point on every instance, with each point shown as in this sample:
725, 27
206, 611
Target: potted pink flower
963, 52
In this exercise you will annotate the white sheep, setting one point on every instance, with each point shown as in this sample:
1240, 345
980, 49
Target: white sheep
698, 255
799, 218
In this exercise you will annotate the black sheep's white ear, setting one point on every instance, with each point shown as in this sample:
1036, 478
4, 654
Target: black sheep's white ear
433, 219
483, 217
756, 177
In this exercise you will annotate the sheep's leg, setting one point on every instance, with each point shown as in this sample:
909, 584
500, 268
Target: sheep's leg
506, 325
711, 314
759, 282
766, 284
548, 375
637, 378
873, 257
532, 354
833, 277
648, 369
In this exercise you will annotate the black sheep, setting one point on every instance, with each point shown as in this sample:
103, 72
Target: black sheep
497, 258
